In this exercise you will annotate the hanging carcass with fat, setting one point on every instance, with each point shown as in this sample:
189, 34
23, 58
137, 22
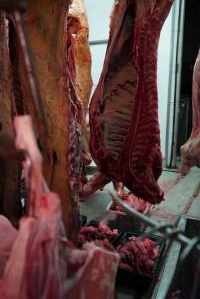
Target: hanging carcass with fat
125, 136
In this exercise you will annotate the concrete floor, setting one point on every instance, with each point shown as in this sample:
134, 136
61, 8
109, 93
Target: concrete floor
182, 199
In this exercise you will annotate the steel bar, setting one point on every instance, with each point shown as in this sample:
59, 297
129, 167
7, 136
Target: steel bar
167, 230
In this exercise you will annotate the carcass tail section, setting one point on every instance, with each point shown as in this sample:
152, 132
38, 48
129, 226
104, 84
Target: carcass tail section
142, 180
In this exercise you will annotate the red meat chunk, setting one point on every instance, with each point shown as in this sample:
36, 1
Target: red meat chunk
138, 255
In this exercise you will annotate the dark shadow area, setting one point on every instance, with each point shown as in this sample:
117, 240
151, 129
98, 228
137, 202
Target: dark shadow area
185, 283
191, 45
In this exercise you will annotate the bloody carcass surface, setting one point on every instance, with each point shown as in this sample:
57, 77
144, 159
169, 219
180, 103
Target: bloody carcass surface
40, 262
47, 34
190, 151
125, 136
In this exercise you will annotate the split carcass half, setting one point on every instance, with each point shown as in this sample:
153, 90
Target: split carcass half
47, 34
79, 61
125, 136
79, 52
190, 151
42, 263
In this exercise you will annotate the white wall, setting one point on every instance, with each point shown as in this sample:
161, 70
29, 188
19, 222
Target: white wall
99, 20
98, 15
164, 49
98, 53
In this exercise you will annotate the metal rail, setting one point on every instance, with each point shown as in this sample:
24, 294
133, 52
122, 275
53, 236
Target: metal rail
167, 230
98, 42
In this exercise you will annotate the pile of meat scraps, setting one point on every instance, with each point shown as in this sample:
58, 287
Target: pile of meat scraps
138, 256
38, 261
134, 202
101, 235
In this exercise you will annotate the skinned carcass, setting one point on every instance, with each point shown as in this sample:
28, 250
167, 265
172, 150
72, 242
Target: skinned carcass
79, 62
190, 151
47, 35
42, 263
125, 136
